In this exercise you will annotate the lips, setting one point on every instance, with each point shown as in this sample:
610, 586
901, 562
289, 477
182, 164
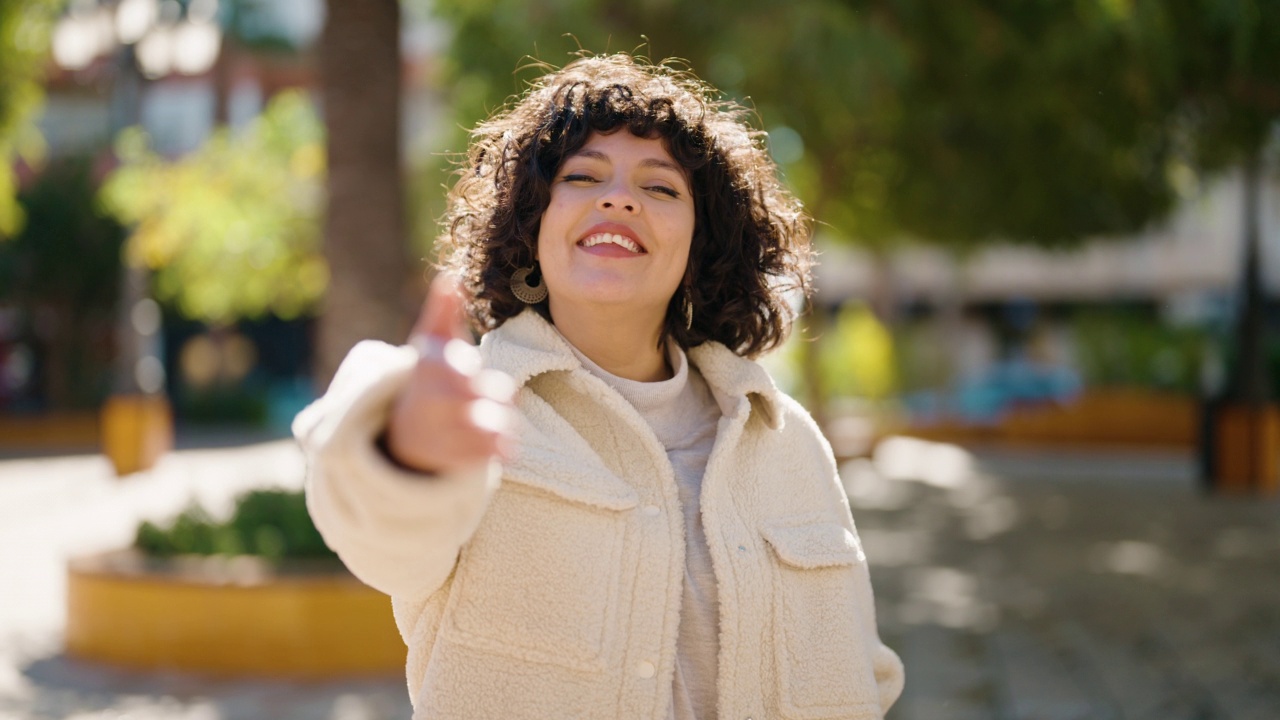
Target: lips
622, 241
607, 236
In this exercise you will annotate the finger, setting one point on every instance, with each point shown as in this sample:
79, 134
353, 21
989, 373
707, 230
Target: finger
489, 416
472, 451
468, 443
445, 365
458, 432
464, 451
495, 385
443, 312
459, 416
435, 380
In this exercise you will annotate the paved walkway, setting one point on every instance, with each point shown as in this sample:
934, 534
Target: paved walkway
1071, 587
1016, 586
53, 508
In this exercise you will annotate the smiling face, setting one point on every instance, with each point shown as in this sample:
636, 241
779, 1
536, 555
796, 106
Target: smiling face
618, 227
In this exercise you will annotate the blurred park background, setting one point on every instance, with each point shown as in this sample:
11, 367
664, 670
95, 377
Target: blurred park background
1045, 335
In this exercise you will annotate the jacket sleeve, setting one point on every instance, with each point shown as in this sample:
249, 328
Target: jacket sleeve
889, 671
890, 675
396, 530
888, 668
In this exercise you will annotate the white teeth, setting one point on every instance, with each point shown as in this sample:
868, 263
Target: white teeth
619, 240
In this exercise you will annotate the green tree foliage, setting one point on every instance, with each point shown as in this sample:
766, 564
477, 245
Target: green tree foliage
24, 50
63, 268
232, 230
956, 122
66, 251
1221, 67
1019, 121
1033, 121
1220, 62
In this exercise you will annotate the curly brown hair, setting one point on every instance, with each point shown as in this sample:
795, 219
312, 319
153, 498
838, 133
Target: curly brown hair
751, 238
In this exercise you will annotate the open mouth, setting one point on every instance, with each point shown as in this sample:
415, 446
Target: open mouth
608, 241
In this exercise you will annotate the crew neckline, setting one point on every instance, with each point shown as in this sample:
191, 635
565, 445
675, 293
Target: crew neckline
643, 395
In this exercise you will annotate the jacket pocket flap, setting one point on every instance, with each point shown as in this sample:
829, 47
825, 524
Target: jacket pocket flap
815, 545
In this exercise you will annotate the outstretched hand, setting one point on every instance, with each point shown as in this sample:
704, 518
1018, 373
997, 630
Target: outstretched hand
453, 413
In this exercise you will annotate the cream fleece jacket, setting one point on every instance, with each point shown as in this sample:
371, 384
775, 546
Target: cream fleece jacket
684, 416
551, 587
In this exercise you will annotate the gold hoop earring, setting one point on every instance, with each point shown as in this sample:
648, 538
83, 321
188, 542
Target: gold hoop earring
524, 292
688, 312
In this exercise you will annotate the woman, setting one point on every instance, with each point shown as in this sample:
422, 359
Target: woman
619, 516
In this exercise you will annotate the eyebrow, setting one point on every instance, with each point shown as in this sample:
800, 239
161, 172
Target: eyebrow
646, 163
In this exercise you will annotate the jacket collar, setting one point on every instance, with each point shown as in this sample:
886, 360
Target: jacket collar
526, 346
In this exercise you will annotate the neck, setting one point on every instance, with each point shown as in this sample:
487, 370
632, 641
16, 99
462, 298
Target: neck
622, 342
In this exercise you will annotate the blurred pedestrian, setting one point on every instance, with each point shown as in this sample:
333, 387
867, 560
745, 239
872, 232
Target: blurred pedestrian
608, 510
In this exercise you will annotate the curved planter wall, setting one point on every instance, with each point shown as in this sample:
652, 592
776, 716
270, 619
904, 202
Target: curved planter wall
229, 618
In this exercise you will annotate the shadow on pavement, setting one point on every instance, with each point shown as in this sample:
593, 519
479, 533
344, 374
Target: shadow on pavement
61, 687
1065, 594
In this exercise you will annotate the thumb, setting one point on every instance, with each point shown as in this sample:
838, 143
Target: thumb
443, 312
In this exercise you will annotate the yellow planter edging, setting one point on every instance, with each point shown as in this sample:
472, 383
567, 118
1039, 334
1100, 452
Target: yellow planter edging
1112, 416
136, 431
1247, 449
306, 626
49, 431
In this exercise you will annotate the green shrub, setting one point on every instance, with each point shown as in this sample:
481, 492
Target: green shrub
1132, 348
273, 524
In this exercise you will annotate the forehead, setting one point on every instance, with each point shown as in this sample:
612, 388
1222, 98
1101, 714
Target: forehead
622, 146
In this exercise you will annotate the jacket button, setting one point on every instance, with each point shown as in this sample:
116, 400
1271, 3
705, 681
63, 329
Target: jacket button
645, 669
651, 510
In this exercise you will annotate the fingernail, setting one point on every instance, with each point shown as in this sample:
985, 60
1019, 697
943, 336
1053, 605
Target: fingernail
489, 415
428, 346
494, 385
462, 357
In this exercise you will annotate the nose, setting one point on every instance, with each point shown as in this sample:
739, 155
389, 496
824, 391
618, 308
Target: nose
618, 197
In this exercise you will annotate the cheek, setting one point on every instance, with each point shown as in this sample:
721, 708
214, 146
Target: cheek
682, 226
549, 224
679, 264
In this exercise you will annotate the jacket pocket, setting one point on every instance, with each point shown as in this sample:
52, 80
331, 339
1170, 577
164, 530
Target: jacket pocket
824, 668
540, 578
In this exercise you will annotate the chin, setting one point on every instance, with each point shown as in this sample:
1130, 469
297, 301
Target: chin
600, 288
609, 297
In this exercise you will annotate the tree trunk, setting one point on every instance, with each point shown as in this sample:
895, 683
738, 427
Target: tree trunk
223, 81
364, 241
1249, 383
813, 323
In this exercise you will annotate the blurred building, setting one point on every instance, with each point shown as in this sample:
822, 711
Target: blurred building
1013, 326
1188, 265
264, 48
270, 49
